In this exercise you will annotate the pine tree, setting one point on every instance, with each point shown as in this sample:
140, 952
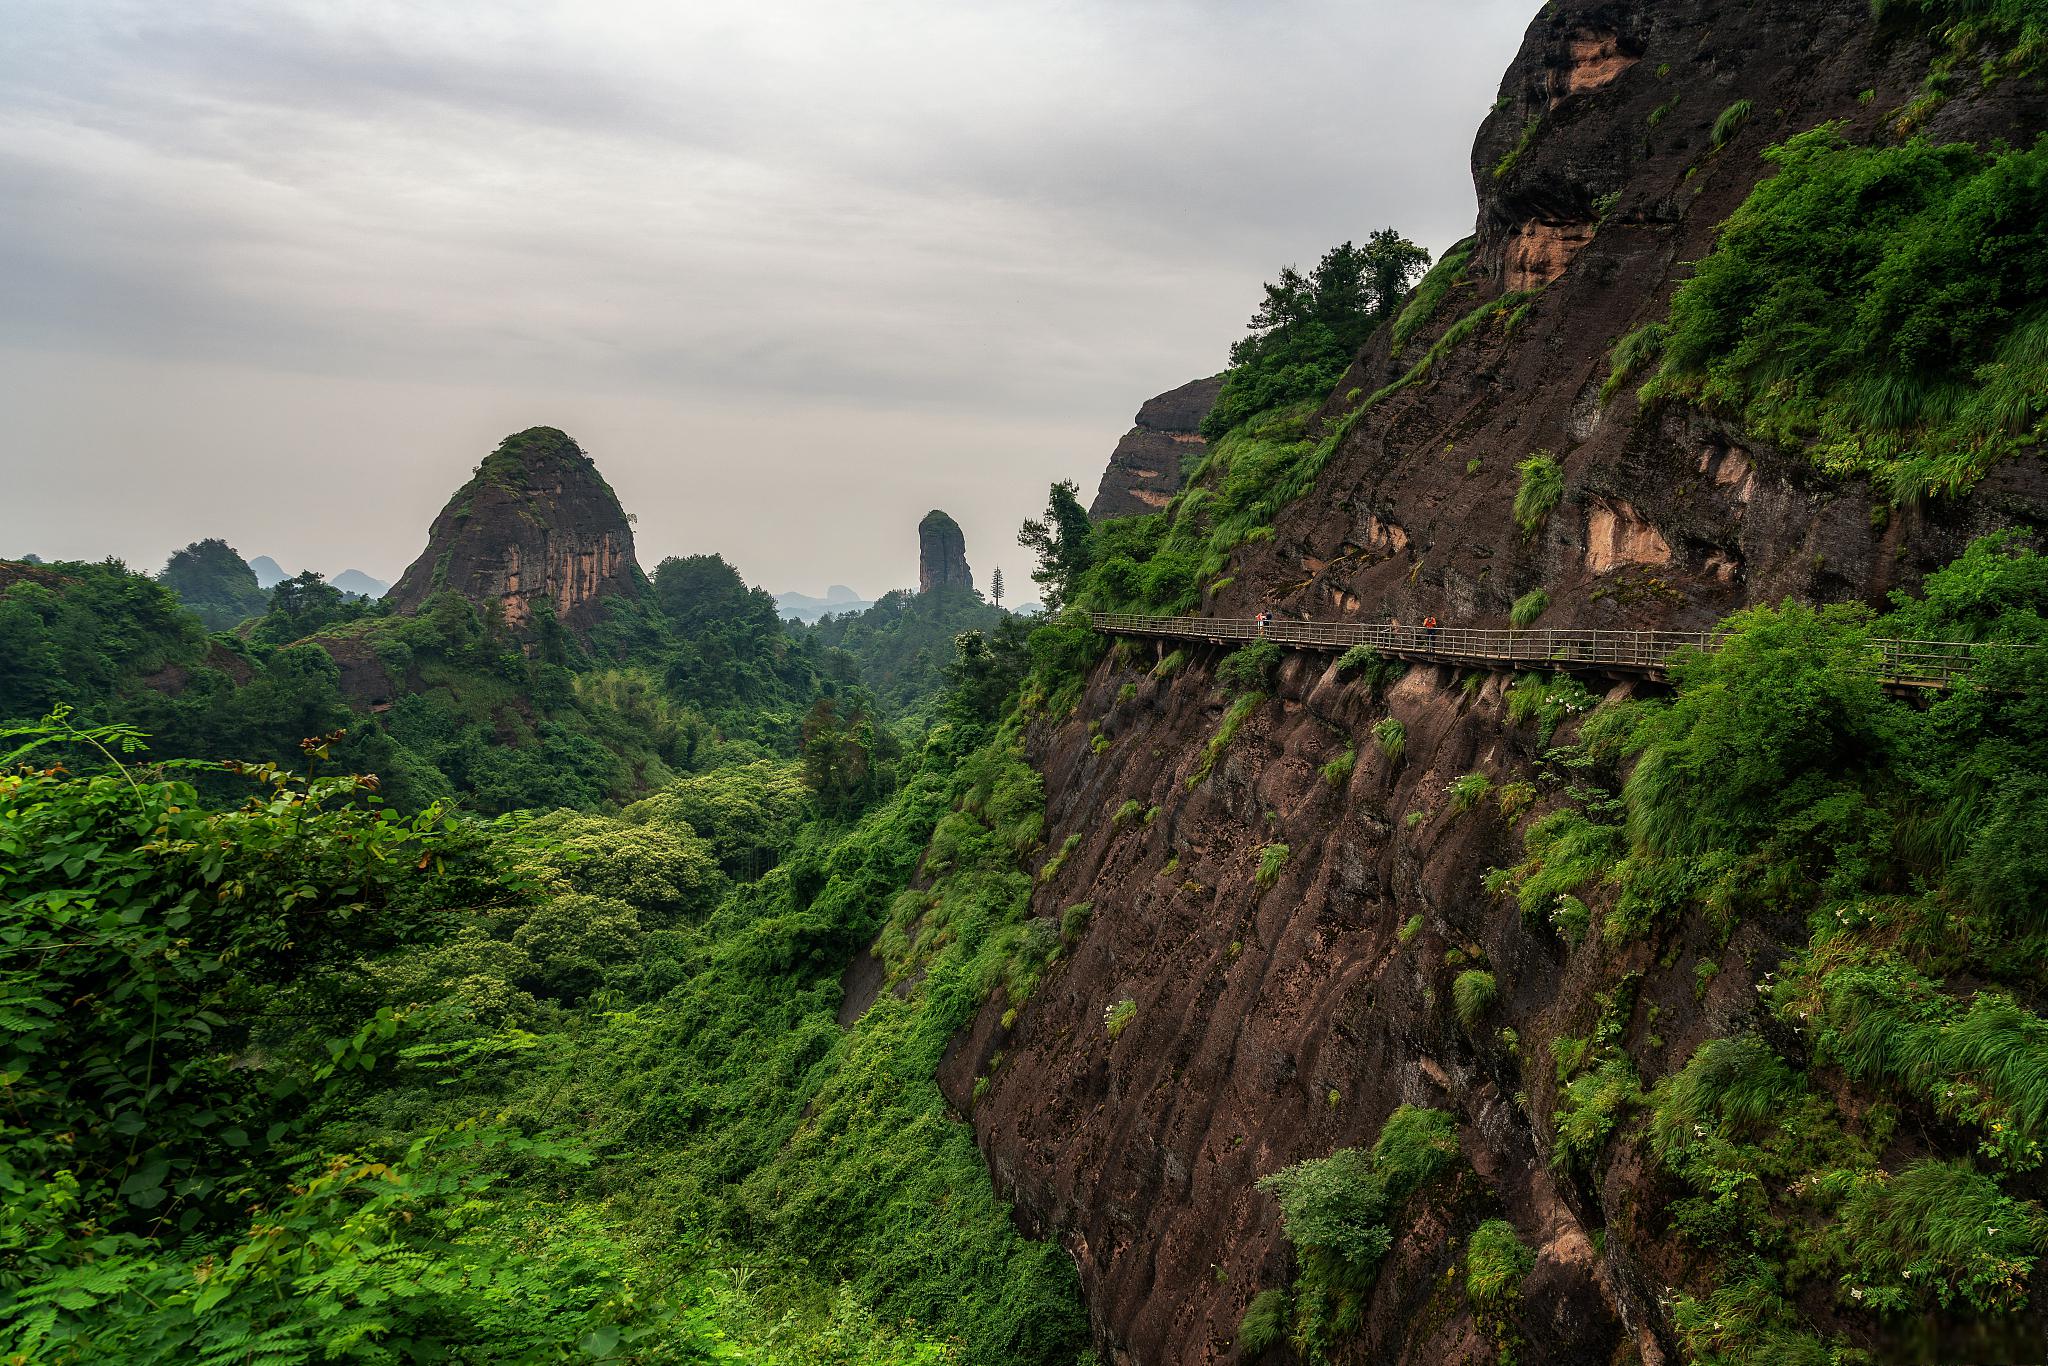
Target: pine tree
995, 586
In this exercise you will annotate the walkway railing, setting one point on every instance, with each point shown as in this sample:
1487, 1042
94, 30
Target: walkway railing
1903, 663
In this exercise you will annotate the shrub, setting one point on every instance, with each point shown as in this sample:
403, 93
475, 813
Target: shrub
1271, 859
1410, 927
1249, 668
1373, 669
1391, 737
1588, 1108
1264, 1323
1337, 772
1943, 1231
1738, 1086
1514, 799
1171, 665
1472, 994
1118, 1016
1470, 790
1528, 607
1541, 487
1496, 1260
1125, 812
1729, 124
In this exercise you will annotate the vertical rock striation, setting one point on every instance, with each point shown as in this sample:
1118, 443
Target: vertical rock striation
537, 524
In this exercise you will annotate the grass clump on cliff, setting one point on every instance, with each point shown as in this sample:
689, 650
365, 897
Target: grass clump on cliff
1528, 608
1729, 124
1337, 771
1496, 1260
1541, 487
1472, 994
1879, 307
1392, 738
1370, 667
1272, 859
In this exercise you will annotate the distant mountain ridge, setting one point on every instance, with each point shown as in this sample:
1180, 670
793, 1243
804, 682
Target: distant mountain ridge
838, 598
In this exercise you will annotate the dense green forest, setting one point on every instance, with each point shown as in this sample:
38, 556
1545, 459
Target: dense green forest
903, 644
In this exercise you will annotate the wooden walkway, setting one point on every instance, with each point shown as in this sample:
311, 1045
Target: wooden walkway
1648, 654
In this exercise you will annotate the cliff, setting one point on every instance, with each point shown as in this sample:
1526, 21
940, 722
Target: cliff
1144, 470
536, 523
1281, 1012
941, 554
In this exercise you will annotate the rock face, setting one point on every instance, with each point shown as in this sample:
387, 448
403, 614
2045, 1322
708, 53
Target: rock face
1281, 1022
1145, 468
537, 523
941, 554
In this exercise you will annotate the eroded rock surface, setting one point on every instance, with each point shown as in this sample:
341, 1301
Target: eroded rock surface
536, 524
1280, 1022
1146, 467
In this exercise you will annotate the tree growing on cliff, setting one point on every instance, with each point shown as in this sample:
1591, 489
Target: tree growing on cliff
1309, 327
1060, 541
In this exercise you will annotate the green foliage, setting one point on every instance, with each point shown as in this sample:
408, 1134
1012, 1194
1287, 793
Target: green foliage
1060, 539
1541, 487
1337, 772
1271, 859
1074, 921
1878, 307
1338, 1212
1549, 698
1472, 994
1496, 1260
1118, 1015
1528, 607
1588, 1108
1391, 737
1469, 790
1370, 667
904, 645
1309, 327
1429, 295
1729, 124
2013, 32
1233, 717
1514, 798
1249, 668
1939, 1232
1514, 155
1631, 356
1264, 1324
1171, 665
1410, 927
1129, 810
214, 583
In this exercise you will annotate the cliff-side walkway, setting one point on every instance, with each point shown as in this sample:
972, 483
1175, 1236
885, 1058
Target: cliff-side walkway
1899, 663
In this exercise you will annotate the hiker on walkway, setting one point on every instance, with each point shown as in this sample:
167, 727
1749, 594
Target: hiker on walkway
1429, 630
1262, 619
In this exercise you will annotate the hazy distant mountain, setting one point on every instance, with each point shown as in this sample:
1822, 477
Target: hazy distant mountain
355, 581
268, 575
838, 598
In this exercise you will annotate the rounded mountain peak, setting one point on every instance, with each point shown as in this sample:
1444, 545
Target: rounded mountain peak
536, 524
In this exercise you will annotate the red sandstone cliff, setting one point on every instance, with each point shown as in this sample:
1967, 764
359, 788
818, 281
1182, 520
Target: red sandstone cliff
1144, 470
1279, 1023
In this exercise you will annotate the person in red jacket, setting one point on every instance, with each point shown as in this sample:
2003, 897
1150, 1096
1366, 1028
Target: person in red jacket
1429, 630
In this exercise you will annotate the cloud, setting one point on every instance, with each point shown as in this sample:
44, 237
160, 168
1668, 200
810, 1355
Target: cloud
962, 228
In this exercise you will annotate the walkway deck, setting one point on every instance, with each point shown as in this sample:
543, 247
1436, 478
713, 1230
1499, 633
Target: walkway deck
1899, 663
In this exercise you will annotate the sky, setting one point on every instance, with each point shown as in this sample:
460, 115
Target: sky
792, 271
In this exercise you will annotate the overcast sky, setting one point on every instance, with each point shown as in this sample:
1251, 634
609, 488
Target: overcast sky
793, 271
